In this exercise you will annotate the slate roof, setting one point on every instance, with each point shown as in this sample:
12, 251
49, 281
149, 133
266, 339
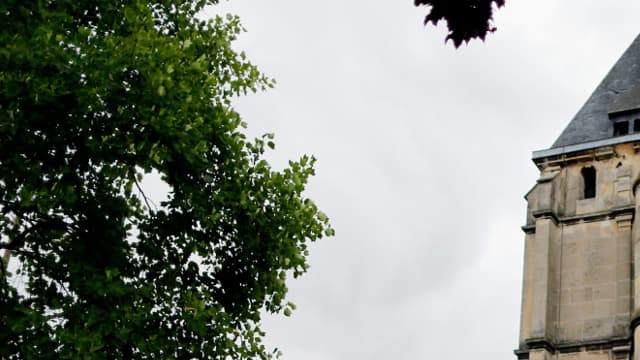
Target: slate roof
619, 91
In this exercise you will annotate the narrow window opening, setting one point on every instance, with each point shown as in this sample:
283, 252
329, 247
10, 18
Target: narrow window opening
621, 128
589, 178
636, 125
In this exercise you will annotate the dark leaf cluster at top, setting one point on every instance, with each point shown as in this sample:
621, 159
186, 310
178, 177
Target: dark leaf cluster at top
466, 19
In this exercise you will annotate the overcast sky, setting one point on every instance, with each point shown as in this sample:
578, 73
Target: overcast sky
423, 160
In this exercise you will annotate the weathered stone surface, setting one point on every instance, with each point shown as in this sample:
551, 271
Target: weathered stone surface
578, 285
581, 281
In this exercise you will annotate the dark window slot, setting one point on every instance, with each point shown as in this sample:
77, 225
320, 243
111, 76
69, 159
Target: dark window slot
589, 178
621, 128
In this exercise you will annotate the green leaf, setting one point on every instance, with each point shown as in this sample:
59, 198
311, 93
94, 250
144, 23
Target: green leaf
103, 104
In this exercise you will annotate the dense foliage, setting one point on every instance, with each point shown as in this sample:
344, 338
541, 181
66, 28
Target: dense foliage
93, 95
466, 19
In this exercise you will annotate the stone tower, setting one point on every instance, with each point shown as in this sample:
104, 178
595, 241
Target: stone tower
581, 283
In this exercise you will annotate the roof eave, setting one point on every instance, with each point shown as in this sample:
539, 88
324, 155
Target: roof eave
553, 152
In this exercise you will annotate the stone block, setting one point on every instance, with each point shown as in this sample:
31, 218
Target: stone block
570, 312
586, 310
569, 247
573, 330
603, 308
569, 261
623, 288
595, 328
596, 355
604, 292
565, 297
581, 295
540, 354
571, 278
621, 325
599, 275
623, 271
585, 206
623, 305
623, 247
569, 356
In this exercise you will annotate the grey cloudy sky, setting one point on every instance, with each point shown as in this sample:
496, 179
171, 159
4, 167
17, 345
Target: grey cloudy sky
423, 160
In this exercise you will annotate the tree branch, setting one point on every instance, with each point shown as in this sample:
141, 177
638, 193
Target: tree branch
144, 196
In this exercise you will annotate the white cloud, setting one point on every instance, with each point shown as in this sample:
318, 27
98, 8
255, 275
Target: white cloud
423, 158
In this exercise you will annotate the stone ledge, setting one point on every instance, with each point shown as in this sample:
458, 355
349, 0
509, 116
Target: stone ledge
546, 213
617, 345
529, 229
620, 213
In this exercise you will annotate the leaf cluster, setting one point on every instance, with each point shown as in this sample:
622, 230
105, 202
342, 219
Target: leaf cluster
94, 95
466, 19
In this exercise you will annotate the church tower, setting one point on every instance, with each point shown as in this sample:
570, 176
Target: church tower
581, 281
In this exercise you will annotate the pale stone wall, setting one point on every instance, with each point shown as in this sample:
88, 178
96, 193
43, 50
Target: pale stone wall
595, 284
578, 288
527, 289
587, 355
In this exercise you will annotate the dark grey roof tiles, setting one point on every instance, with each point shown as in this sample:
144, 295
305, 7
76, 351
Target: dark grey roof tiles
619, 91
627, 101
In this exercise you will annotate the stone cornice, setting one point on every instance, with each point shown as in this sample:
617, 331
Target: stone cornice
617, 345
620, 214
529, 229
556, 153
546, 213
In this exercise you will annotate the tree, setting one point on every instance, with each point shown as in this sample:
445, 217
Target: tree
94, 94
466, 19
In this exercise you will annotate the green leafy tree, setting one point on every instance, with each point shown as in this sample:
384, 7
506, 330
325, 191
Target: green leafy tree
466, 19
93, 95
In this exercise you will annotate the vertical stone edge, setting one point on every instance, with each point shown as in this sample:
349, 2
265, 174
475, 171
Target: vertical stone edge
544, 281
635, 251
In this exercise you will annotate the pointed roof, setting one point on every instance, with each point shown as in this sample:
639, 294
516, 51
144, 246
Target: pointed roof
618, 92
